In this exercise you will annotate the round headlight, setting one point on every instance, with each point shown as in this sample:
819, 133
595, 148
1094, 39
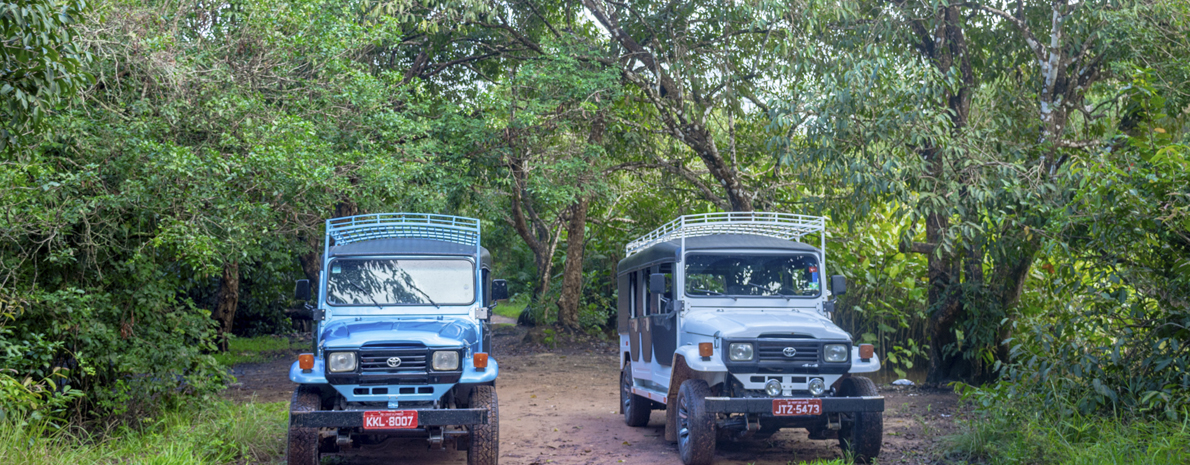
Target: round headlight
739, 351
445, 360
339, 362
817, 387
834, 353
772, 388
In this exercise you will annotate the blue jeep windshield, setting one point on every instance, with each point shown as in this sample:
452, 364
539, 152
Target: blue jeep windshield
752, 275
390, 281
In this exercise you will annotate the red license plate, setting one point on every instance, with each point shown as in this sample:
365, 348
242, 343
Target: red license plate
794, 407
390, 419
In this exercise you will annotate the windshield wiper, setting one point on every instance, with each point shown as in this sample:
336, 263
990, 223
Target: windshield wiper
366, 293
707, 291
423, 293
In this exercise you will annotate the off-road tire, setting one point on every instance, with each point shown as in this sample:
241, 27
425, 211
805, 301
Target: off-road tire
485, 439
636, 409
302, 447
861, 438
696, 426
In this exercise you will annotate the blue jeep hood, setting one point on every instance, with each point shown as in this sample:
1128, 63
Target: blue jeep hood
433, 332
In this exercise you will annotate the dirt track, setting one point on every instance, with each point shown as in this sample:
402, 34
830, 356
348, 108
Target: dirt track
559, 406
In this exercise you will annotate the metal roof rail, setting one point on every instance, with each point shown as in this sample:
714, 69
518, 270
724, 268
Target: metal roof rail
779, 225
457, 229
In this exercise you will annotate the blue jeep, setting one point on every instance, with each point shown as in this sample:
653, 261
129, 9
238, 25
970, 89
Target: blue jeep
401, 339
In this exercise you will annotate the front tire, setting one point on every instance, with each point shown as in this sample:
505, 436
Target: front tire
485, 439
302, 446
636, 409
861, 438
696, 427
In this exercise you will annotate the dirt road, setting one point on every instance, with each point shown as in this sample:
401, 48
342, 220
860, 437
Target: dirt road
559, 406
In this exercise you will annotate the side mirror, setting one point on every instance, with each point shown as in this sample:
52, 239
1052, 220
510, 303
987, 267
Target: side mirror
657, 283
499, 290
301, 289
838, 284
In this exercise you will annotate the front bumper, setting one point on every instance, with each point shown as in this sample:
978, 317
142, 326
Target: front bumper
765, 404
355, 418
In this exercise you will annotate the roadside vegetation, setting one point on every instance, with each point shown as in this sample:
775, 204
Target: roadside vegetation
1006, 186
206, 432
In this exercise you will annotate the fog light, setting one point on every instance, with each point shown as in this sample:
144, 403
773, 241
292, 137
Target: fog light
817, 387
772, 388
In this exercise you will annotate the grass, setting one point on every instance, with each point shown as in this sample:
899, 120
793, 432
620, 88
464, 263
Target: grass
512, 308
211, 431
1037, 436
258, 349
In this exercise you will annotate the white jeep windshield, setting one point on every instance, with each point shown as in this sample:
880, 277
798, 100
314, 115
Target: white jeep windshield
752, 275
390, 281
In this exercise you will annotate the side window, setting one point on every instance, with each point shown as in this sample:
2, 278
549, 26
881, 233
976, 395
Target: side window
633, 296
652, 310
487, 287
667, 296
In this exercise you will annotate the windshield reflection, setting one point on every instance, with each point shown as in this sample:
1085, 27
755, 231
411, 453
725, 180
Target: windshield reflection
752, 275
382, 282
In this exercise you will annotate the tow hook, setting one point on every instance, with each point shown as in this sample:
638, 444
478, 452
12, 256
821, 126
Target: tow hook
833, 421
343, 439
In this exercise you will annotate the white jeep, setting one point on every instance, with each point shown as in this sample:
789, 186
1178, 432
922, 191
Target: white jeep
725, 324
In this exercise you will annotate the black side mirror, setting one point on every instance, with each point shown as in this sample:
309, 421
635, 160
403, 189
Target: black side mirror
657, 283
499, 290
838, 284
301, 289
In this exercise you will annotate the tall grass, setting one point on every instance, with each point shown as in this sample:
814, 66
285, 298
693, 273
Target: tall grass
259, 349
1017, 435
210, 431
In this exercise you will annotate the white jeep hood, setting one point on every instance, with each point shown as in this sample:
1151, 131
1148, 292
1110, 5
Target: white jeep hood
743, 322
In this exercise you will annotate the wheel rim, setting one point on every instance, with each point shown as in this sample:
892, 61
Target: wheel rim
683, 423
625, 393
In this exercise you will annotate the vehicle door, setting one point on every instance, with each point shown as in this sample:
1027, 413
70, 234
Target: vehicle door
642, 370
633, 322
663, 323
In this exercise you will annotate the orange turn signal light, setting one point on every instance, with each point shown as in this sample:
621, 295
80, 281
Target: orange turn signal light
705, 349
866, 351
306, 362
480, 360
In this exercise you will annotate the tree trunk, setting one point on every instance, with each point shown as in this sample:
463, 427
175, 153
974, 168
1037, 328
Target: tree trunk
572, 274
229, 299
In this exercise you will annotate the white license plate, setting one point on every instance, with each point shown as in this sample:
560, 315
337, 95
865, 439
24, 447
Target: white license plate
390, 419
795, 407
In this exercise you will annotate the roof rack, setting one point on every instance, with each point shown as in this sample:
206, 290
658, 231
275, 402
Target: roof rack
457, 229
779, 225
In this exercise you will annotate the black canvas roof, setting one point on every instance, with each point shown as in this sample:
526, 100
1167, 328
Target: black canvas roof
408, 246
669, 250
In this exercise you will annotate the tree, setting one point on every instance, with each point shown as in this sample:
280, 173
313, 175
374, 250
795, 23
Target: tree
41, 65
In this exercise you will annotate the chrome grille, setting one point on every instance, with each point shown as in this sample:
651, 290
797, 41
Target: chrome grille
773, 350
373, 358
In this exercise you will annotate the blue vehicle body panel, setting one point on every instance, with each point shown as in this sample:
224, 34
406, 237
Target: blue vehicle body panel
433, 332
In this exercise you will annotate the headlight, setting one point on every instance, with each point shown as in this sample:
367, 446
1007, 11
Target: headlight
739, 352
339, 362
834, 352
445, 360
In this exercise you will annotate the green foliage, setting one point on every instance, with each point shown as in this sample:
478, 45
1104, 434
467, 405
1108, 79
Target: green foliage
258, 349
41, 63
212, 431
1028, 430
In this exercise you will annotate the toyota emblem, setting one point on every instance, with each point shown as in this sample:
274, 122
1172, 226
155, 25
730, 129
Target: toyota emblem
789, 351
394, 362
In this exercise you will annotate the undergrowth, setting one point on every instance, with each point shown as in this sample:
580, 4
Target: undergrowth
214, 431
1025, 432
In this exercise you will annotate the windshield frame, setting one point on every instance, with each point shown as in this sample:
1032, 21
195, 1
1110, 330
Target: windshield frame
817, 256
326, 281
